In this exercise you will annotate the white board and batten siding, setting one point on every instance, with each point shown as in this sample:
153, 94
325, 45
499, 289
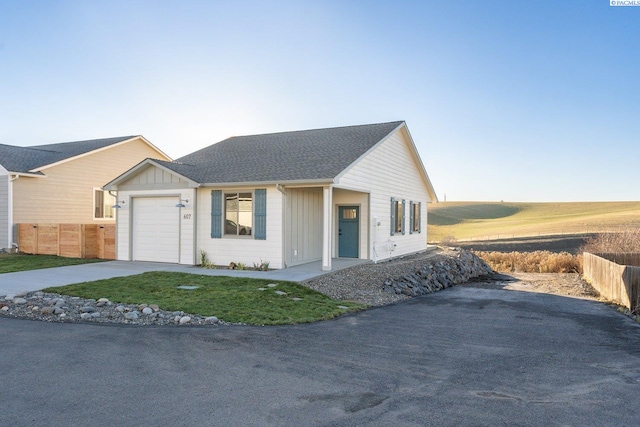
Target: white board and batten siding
391, 170
150, 227
303, 225
245, 249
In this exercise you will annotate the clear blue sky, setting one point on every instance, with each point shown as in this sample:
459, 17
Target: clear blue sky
514, 100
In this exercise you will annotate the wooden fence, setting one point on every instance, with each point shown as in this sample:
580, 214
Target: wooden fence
615, 276
68, 240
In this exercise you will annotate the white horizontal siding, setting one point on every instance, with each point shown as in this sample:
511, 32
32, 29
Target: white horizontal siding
391, 170
247, 250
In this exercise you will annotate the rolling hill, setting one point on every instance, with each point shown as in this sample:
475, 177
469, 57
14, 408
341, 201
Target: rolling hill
492, 220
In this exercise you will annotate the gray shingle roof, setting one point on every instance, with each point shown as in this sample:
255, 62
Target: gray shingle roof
26, 159
288, 156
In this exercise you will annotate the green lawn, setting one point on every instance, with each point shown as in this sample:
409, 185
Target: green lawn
232, 299
10, 263
486, 220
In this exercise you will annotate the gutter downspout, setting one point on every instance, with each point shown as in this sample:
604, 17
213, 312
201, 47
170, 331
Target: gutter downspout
10, 241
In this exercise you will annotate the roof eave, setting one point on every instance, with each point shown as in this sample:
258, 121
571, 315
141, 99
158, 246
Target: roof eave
297, 182
28, 174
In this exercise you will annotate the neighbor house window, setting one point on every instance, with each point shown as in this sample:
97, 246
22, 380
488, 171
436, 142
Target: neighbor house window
238, 211
103, 204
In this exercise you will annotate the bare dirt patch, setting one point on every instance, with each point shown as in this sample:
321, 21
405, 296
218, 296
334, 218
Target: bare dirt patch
563, 284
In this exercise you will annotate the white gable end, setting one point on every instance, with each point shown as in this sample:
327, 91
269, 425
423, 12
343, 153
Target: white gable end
391, 170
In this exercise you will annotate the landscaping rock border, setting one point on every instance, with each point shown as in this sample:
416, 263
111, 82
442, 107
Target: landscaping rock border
51, 307
440, 274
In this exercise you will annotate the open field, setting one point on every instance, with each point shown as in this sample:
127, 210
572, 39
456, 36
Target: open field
495, 220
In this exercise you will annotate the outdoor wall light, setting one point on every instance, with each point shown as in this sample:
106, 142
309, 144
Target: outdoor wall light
182, 205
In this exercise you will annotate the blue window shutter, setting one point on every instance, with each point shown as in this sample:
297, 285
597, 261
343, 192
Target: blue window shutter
260, 214
410, 217
419, 217
216, 214
393, 216
403, 216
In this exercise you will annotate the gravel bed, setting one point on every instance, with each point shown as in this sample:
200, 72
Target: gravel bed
364, 283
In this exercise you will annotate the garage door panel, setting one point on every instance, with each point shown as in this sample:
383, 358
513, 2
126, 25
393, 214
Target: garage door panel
156, 229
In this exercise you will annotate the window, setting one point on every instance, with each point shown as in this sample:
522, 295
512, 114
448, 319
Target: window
415, 217
397, 216
350, 213
103, 204
238, 211
239, 214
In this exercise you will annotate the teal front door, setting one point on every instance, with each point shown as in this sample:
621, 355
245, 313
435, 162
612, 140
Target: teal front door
348, 231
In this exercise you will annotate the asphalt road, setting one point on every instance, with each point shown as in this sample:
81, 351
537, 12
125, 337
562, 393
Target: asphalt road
463, 356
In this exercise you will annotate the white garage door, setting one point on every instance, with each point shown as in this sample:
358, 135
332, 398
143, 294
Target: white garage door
156, 229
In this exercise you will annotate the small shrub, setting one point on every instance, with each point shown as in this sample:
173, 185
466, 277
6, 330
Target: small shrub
261, 266
532, 262
240, 266
204, 260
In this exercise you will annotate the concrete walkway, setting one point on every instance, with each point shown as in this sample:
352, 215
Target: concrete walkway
34, 280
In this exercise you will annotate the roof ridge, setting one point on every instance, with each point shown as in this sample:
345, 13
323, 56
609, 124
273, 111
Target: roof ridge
30, 147
121, 138
317, 129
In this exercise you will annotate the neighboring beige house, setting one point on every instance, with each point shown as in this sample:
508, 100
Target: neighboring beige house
286, 198
62, 183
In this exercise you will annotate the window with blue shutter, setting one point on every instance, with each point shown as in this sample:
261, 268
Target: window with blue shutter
216, 214
260, 214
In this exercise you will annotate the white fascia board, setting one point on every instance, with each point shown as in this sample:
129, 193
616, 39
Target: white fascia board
425, 176
166, 157
30, 175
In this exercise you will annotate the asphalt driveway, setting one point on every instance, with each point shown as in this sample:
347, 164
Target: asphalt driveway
463, 356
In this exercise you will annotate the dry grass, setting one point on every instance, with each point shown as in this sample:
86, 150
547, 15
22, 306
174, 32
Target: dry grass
623, 242
532, 262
